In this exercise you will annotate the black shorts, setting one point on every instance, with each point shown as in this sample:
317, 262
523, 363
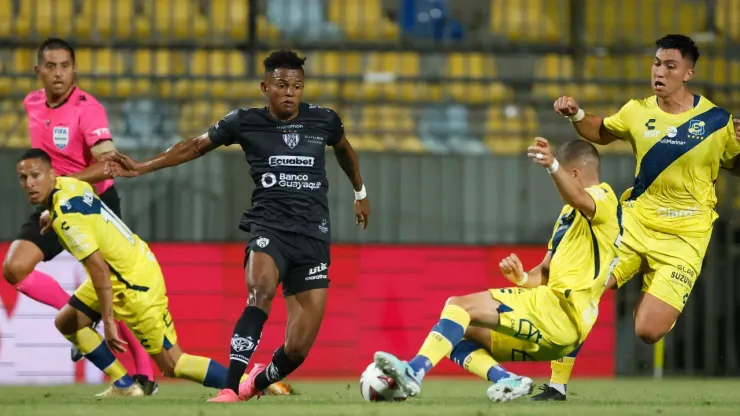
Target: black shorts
49, 243
302, 262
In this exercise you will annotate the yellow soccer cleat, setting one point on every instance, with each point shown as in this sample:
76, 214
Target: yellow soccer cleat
132, 391
279, 389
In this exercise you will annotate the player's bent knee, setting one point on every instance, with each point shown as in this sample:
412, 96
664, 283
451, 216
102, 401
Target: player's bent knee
649, 334
15, 269
65, 321
261, 295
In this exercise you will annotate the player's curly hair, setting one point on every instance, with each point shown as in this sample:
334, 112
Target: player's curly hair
283, 59
53, 44
682, 43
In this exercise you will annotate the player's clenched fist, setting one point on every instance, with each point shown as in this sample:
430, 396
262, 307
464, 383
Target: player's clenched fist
566, 106
512, 269
736, 123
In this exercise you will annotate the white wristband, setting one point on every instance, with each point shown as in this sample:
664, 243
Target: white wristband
523, 280
362, 194
578, 116
554, 167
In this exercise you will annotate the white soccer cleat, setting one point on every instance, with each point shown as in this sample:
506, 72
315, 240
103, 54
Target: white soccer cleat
132, 391
510, 388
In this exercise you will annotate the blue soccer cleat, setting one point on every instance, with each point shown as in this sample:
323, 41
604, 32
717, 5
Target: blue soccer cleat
510, 388
399, 371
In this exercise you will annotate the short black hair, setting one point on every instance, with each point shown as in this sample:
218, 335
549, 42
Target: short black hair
578, 150
283, 59
682, 43
52, 44
35, 154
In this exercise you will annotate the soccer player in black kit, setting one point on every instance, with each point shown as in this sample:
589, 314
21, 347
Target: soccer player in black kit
288, 223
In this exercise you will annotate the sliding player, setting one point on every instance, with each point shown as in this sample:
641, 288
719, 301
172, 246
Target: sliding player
72, 127
555, 305
125, 282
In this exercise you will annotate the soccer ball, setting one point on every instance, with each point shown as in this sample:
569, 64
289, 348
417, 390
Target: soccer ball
376, 387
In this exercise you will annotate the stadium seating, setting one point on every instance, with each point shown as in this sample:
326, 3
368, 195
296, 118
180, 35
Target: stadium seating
480, 67
531, 20
362, 20
633, 22
556, 76
509, 129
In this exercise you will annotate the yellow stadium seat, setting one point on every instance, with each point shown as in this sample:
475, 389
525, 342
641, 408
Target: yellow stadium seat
53, 18
629, 73
531, 20
510, 129
217, 64
334, 63
559, 72
229, 19
727, 18
362, 19
198, 116
477, 66
176, 19
392, 126
23, 62
9, 122
100, 70
641, 22
9, 25
380, 80
725, 74
154, 68
116, 19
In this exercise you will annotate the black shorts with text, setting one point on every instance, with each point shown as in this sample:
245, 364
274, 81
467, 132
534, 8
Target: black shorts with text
49, 243
302, 261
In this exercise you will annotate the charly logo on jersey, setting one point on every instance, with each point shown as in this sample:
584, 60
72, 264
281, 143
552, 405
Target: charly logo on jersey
61, 137
696, 129
651, 132
302, 161
291, 139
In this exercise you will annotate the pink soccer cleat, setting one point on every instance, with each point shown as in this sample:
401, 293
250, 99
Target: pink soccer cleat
246, 388
225, 396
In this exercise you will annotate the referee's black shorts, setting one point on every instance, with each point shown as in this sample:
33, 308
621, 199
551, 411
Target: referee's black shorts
49, 243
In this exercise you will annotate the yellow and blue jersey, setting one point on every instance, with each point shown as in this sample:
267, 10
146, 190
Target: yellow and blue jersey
678, 161
84, 225
583, 248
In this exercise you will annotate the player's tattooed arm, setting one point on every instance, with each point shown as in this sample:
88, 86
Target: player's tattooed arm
100, 277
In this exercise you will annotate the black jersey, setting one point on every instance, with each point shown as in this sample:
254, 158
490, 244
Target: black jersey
287, 161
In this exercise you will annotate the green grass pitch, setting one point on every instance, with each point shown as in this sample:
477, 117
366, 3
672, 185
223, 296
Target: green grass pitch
440, 397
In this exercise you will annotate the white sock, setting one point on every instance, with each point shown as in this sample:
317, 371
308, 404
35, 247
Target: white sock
559, 387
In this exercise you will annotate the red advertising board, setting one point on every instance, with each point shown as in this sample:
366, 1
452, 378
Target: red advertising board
381, 298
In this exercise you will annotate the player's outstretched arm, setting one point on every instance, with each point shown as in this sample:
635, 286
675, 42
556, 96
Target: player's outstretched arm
731, 158
179, 153
513, 270
347, 159
572, 192
588, 126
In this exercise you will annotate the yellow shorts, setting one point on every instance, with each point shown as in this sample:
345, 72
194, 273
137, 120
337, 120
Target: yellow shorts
542, 322
142, 306
670, 263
